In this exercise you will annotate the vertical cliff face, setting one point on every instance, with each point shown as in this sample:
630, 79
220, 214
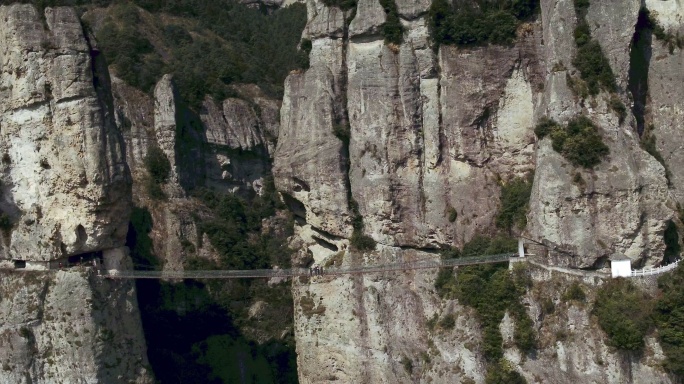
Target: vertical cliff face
70, 326
664, 106
65, 182
410, 135
66, 192
623, 204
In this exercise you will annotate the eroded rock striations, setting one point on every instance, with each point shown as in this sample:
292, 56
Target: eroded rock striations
65, 182
407, 136
66, 193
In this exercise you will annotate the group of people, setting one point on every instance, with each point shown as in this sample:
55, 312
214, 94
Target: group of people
93, 262
316, 270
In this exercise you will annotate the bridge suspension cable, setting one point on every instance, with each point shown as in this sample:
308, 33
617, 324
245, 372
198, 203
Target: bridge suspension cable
294, 272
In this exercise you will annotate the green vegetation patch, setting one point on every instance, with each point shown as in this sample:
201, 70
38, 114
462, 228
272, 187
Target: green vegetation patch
624, 314
668, 39
590, 60
392, 29
235, 232
515, 198
648, 144
492, 291
574, 293
503, 372
359, 240
580, 141
158, 168
669, 317
207, 45
478, 22
344, 5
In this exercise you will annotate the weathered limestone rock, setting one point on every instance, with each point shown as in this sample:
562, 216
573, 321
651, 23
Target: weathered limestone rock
435, 133
323, 21
620, 206
366, 327
614, 33
235, 125
666, 105
134, 111
369, 18
420, 144
309, 161
70, 327
66, 185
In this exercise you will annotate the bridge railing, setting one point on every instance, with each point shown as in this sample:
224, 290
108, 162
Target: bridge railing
268, 273
654, 271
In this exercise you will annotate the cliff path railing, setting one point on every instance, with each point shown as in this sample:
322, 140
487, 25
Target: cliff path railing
295, 272
654, 271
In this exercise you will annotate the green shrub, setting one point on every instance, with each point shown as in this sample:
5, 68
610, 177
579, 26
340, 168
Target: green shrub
344, 5
362, 242
584, 145
452, 215
579, 142
392, 29
547, 306
491, 290
669, 317
480, 23
624, 314
545, 127
445, 283
574, 293
668, 39
407, 364
618, 107
154, 189
515, 198
590, 60
448, 322
503, 373
157, 164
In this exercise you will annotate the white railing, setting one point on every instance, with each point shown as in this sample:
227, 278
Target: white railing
654, 271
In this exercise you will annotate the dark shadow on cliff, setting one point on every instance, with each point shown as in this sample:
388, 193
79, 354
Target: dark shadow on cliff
191, 334
639, 63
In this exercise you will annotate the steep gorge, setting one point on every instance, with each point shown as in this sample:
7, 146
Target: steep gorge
404, 144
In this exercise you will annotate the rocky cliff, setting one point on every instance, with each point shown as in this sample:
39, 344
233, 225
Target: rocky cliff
419, 143
66, 194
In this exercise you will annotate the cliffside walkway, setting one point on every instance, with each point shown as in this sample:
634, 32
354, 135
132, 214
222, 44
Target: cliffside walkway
295, 272
654, 271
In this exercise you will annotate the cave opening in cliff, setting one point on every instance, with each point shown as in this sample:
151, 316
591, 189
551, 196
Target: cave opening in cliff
639, 63
672, 245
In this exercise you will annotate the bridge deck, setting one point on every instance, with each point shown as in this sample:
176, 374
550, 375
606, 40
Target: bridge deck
294, 272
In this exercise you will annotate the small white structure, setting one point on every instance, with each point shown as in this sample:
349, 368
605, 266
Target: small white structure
37, 265
620, 266
521, 247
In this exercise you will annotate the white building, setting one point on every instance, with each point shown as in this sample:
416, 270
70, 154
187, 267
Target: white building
620, 266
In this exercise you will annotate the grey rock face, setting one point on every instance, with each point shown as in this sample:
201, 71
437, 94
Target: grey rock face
70, 327
623, 204
436, 132
65, 181
309, 163
664, 79
369, 18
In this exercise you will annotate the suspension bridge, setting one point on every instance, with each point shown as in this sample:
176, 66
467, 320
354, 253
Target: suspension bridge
295, 272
